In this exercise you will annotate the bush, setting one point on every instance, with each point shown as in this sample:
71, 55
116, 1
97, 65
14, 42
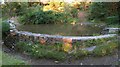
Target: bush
105, 49
105, 12
94, 42
5, 27
46, 17
10, 9
26, 17
74, 12
36, 15
112, 19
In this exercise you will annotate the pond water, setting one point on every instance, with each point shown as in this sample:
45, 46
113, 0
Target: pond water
63, 29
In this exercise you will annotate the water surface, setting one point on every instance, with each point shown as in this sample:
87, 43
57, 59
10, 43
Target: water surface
63, 29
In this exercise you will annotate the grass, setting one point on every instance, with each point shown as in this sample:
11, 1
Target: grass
42, 51
114, 25
80, 54
0, 28
0, 58
94, 42
105, 49
10, 60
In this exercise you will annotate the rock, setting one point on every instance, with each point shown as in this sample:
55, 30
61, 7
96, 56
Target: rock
90, 48
81, 63
56, 61
10, 21
112, 30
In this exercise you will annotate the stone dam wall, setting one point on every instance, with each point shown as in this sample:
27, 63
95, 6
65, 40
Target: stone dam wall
49, 39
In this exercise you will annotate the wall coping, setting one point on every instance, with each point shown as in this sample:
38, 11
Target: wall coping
70, 37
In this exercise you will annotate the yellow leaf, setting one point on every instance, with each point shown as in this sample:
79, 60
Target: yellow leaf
67, 47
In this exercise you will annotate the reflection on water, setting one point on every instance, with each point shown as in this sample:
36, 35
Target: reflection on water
63, 29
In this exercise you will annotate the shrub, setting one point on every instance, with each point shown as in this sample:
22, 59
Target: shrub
112, 19
104, 11
37, 15
26, 17
100, 51
5, 27
74, 12
94, 42
14, 8
46, 17
105, 49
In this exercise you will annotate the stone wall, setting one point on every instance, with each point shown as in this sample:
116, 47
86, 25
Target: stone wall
112, 30
50, 39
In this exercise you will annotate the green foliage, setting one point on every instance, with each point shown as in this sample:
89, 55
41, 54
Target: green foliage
46, 17
5, 27
112, 19
41, 51
14, 8
105, 49
37, 15
80, 53
26, 18
10, 60
56, 55
0, 57
74, 12
97, 11
105, 12
100, 51
95, 42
